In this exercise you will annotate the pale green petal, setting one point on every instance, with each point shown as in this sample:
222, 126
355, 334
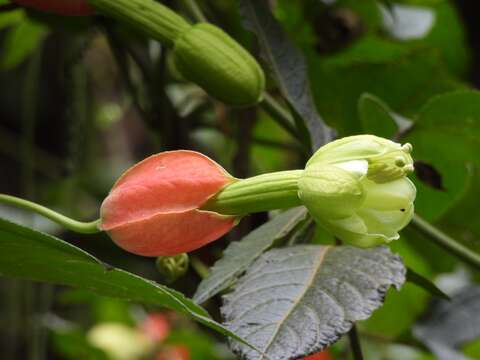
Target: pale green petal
330, 192
394, 195
358, 168
353, 224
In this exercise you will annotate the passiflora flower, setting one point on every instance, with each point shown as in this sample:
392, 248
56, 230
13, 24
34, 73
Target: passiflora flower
357, 188
154, 208
61, 7
175, 202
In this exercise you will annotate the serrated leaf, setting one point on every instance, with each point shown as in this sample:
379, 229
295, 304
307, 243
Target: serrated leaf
288, 66
299, 300
29, 254
451, 324
240, 254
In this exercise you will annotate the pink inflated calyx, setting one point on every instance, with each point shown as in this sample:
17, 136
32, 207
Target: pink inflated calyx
60, 7
153, 209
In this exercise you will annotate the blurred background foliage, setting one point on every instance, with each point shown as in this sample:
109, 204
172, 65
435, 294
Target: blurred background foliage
82, 99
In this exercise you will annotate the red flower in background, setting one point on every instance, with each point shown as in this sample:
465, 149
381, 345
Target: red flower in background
156, 326
153, 209
61, 7
174, 352
324, 355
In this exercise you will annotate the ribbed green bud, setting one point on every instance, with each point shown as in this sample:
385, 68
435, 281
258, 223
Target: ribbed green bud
202, 53
209, 57
172, 267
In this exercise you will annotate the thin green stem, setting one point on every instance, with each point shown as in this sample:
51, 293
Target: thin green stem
279, 114
200, 268
195, 10
448, 243
68, 223
355, 343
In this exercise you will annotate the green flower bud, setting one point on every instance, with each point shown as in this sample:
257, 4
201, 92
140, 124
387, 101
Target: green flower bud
202, 53
357, 188
172, 267
209, 57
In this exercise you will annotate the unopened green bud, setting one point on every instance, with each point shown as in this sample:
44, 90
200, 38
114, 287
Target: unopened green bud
202, 53
172, 267
209, 57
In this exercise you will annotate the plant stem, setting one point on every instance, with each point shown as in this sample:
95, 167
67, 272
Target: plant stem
200, 268
66, 222
279, 114
195, 10
446, 242
355, 343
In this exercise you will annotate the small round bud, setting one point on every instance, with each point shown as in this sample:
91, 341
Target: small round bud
172, 267
209, 57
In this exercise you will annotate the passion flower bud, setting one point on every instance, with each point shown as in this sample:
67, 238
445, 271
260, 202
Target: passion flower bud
202, 53
209, 57
172, 267
61, 7
154, 208
357, 188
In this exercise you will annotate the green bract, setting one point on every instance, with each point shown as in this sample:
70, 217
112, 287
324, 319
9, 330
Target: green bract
357, 188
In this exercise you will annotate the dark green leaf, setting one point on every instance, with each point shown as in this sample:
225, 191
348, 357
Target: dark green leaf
22, 41
451, 324
287, 64
28, 254
376, 117
241, 254
425, 284
404, 79
446, 135
296, 301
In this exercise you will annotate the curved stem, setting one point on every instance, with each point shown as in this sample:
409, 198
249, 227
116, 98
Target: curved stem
445, 241
280, 115
68, 223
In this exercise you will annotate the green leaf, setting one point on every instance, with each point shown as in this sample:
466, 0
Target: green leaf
446, 135
299, 300
405, 81
376, 117
28, 254
22, 41
241, 254
288, 66
425, 284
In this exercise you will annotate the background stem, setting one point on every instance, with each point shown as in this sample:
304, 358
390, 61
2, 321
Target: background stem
355, 343
445, 241
66, 222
